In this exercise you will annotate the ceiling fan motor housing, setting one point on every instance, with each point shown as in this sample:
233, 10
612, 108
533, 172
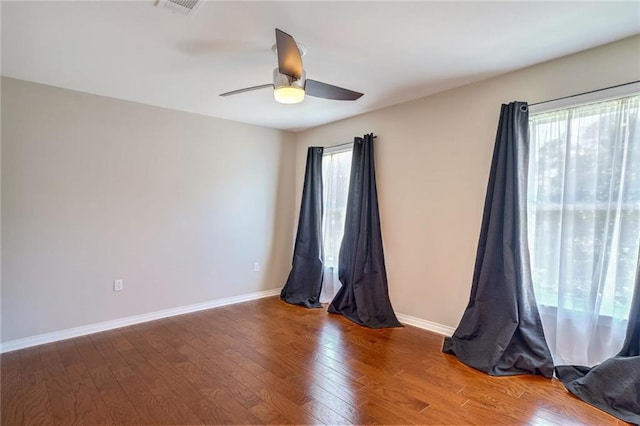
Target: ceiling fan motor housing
283, 80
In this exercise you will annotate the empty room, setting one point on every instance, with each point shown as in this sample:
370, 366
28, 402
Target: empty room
318, 212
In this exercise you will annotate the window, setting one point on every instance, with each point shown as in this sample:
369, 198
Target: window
336, 170
584, 224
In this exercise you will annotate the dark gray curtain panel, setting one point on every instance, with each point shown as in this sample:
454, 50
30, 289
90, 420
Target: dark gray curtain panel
305, 279
500, 332
614, 385
364, 296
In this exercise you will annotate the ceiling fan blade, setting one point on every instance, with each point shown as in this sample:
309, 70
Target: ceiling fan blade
248, 89
289, 60
328, 91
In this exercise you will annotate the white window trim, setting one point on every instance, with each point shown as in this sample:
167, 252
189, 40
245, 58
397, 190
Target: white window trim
338, 148
587, 98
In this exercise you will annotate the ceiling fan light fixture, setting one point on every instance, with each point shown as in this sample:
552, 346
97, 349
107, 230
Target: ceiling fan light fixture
289, 94
287, 89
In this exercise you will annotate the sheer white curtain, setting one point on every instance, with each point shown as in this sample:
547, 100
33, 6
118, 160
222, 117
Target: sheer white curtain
584, 225
336, 168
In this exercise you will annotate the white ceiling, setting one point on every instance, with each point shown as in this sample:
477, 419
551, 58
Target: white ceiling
391, 51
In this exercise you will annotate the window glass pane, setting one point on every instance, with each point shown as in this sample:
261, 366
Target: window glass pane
585, 186
336, 168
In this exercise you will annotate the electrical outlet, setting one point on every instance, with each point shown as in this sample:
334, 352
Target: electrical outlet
256, 267
118, 285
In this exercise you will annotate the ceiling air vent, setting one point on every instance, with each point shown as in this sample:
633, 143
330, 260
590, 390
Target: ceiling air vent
183, 7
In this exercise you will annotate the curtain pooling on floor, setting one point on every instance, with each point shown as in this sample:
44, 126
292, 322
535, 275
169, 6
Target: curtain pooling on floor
613, 385
500, 332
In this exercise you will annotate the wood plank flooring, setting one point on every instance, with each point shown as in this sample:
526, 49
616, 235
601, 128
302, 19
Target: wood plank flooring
266, 362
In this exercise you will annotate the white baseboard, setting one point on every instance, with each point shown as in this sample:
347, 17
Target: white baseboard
13, 345
41, 339
426, 325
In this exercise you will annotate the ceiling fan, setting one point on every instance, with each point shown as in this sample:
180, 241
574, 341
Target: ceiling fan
290, 82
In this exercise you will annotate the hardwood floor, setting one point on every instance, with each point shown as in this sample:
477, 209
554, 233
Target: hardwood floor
266, 362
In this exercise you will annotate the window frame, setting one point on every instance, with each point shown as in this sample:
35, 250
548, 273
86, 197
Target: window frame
337, 149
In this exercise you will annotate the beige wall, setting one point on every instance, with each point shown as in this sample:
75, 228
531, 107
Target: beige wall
433, 157
177, 205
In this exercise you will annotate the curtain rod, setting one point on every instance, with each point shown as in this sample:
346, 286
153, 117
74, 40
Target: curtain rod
343, 144
586, 93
